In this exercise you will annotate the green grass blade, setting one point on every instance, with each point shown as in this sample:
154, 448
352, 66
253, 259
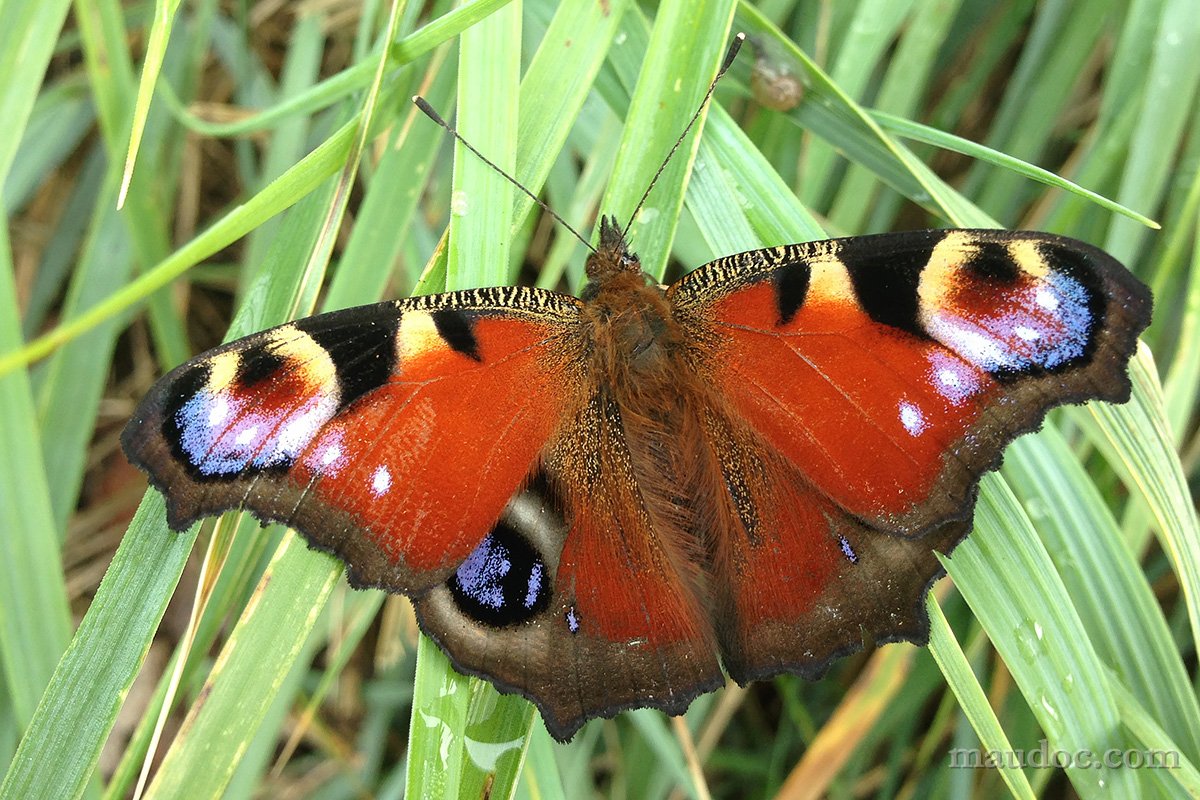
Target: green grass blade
395, 188
1063, 36
344, 84
73, 380
156, 48
835, 117
1139, 445
60, 748
34, 619
1167, 110
253, 665
27, 36
1159, 749
971, 697
555, 85
907, 77
1086, 545
922, 133
683, 51
1007, 577
280, 195
872, 26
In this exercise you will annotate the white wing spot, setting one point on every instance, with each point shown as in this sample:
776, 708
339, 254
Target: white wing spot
219, 410
247, 435
1027, 333
912, 419
299, 431
1046, 299
381, 481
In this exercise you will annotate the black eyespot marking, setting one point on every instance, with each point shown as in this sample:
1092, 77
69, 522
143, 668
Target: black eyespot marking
885, 277
503, 582
457, 330
791, 288
993, 262
257, 364
362, 346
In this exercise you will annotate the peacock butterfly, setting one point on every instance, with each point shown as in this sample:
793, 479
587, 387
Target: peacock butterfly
598, 502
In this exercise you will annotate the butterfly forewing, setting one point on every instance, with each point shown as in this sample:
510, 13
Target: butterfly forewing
892, 370
392, 435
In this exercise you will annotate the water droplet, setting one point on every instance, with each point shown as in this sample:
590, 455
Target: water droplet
647, 215
1050, 721
1028, 643
1036, 508
485, 755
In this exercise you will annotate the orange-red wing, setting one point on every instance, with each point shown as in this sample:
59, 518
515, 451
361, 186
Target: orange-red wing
798, 582
391, 435
892, 370
584, 599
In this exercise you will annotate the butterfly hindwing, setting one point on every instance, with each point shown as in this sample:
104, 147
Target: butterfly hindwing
797, 581
364, 428
582, 600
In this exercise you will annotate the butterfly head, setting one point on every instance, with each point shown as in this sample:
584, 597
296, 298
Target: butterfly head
612, 257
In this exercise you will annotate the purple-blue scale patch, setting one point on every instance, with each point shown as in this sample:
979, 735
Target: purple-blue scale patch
1042, 326
847, 550
481, 574
220, 435
503, 582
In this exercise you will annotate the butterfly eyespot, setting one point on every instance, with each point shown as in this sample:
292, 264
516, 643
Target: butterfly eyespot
503, 582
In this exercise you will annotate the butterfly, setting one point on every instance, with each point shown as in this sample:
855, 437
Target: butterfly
603, 502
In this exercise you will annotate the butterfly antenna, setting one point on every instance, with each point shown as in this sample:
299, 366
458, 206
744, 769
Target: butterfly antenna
730, 55
433, 115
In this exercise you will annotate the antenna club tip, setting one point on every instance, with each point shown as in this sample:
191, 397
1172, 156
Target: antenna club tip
428, 110
734, 47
